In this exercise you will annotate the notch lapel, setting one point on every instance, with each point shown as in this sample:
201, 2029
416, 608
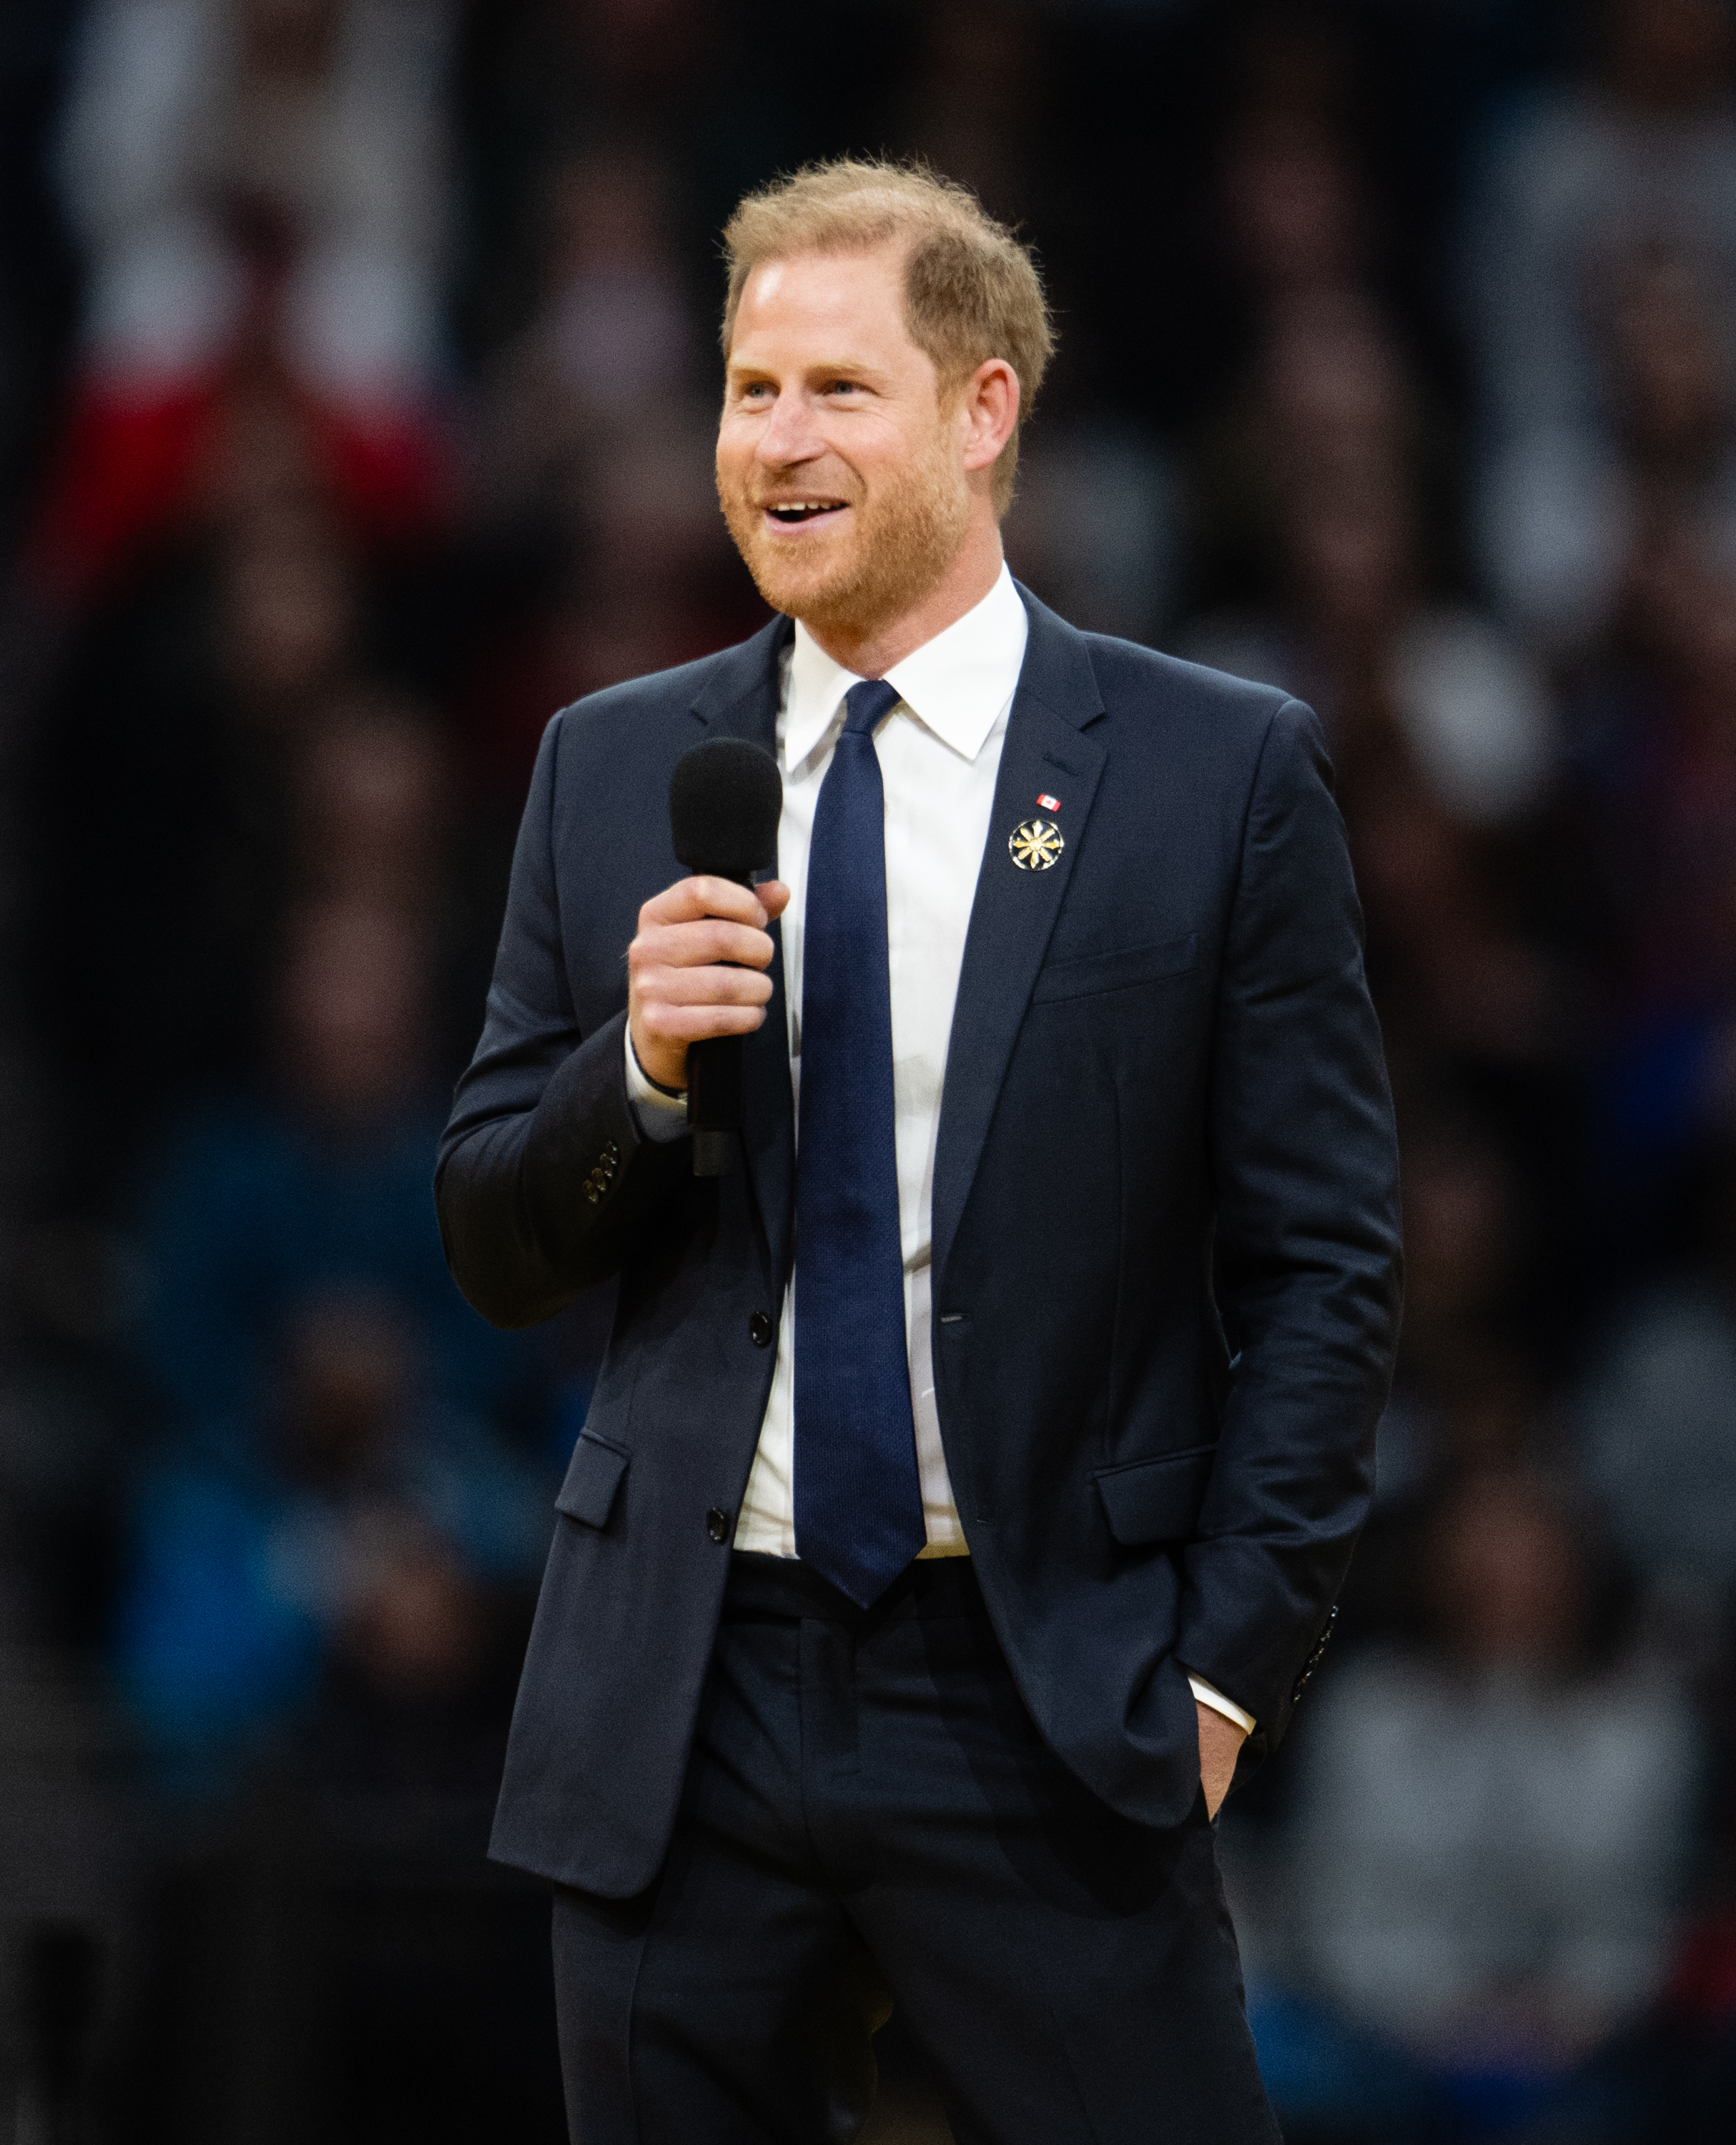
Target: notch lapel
740, 699
1014, 911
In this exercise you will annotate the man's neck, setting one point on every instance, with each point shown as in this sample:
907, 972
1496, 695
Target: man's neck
872, 650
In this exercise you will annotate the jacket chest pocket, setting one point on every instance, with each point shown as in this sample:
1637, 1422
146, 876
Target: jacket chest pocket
1116, 971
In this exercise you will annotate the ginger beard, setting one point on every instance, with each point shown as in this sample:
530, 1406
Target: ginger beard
895, 544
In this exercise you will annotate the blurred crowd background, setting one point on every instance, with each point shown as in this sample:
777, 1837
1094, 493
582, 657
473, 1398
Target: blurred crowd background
357, 371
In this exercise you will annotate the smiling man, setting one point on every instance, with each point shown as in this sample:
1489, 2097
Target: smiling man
974, 1468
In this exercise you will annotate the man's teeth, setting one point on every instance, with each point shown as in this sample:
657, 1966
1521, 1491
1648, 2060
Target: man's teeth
799, 510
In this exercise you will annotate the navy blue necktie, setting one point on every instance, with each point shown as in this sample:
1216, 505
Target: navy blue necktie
859, 1498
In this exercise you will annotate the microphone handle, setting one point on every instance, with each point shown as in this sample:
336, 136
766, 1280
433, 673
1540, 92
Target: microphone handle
715, 1091
713, 1102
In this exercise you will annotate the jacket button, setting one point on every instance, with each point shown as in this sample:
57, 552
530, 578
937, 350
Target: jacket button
716, 1524
761, 1330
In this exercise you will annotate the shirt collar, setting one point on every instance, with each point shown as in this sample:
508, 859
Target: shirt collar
956, 685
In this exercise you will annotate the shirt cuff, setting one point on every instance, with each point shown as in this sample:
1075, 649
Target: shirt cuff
658, 1116
1216, 1700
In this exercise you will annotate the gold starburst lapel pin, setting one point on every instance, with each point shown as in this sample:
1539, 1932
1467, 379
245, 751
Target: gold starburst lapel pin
1035, 845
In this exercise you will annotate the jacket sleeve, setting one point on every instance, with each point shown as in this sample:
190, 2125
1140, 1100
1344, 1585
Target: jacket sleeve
543, 1180
1304, 1160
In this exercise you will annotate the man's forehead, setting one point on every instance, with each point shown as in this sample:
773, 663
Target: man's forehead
843, 264
831, 290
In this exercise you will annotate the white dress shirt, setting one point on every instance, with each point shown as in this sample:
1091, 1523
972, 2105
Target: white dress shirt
939, 751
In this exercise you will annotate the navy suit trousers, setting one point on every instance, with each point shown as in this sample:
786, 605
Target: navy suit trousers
870, 1814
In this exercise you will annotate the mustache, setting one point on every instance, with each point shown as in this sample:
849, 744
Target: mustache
793, 485
796, 496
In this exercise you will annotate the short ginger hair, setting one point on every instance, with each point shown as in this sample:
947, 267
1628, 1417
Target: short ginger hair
972, 290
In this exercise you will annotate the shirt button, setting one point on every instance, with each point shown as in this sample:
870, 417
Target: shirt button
760, 1330
716, 1524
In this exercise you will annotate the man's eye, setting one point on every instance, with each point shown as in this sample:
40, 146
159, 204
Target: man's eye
843, 387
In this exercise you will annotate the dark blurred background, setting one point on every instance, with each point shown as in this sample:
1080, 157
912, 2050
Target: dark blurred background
357, 369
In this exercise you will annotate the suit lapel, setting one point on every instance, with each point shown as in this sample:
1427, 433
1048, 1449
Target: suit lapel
740, 699
1046, 752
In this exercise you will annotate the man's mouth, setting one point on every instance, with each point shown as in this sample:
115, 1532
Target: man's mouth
797, 513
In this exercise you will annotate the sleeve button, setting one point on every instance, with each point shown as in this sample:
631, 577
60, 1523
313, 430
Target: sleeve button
760, 1330
716, 1524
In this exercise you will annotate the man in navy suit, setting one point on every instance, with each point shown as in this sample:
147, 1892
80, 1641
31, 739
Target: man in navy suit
974, 1465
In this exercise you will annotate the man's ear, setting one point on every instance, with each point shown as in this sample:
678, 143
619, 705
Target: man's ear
988, 401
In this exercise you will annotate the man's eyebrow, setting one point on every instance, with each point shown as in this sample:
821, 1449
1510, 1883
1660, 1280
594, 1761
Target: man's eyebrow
844, 368
827, 368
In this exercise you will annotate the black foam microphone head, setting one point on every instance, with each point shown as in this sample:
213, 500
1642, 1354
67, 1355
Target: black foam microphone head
726, 797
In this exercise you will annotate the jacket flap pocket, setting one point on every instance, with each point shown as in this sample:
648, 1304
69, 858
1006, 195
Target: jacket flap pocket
593, 1476
1155, 1500
1116, 971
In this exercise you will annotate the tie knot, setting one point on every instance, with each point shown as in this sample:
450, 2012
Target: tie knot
865, 704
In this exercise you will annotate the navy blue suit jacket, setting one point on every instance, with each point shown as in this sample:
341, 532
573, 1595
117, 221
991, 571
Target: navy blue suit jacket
1165, 1276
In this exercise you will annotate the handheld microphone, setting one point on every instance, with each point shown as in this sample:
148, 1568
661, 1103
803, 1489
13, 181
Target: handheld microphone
726, 797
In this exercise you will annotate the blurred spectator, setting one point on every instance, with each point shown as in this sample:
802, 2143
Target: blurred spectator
1469, 1392
1094, 526
376, 821
289, 619
1094, 523
1297, 218
320, 1182
1465, 1240
1652, 728
1602, 263
548, 84
610, 347
1316, 165
1323, 462
261, 191
1637, 153
372, 807
1657, 1417
1654, 732
355, 1519
974, 102
1460, 973
590, 478
1488, 1841
1328, 400
161, 825
602, 62
638, 575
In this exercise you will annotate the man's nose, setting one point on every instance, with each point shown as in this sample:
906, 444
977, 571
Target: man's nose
789, 435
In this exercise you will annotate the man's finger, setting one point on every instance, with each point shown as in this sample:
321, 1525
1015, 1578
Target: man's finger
713, 986
689, 899
704, 942
682, 1024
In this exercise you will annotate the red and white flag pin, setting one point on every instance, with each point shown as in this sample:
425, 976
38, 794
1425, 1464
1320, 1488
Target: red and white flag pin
1050, 803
